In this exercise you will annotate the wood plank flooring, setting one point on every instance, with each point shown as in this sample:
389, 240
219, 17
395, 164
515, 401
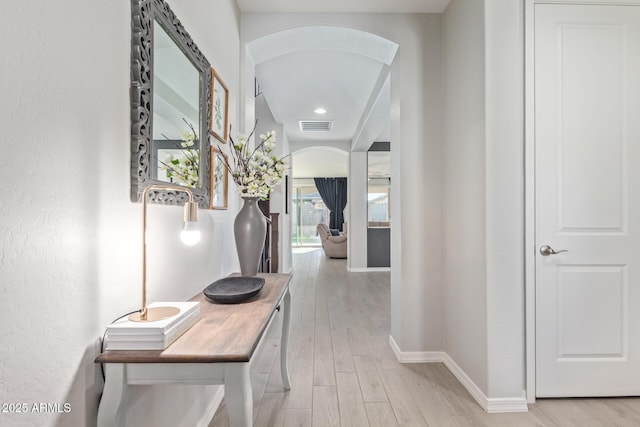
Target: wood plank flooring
343, 372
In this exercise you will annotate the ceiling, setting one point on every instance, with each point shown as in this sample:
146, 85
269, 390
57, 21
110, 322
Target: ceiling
294, 85
337, 69
344, 6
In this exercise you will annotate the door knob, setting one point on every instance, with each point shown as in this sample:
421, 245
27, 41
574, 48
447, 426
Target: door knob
546, 250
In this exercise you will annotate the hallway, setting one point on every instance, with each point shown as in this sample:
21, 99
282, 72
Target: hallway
344, 373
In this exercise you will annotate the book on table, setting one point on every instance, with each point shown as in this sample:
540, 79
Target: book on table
125, 334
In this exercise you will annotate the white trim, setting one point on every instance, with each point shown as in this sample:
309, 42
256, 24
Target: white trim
415, 356
467, 382
211, 409
491, 405
530, 208
367, 269
507, 404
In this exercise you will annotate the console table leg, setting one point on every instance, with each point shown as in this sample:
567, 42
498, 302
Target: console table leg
115, 387
237, 394
286, 322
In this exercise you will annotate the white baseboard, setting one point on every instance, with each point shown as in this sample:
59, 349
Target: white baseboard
415, 356
212, 407
467, 382
507, 404
490, 405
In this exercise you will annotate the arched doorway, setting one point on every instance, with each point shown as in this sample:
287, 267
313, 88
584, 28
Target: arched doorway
347, 71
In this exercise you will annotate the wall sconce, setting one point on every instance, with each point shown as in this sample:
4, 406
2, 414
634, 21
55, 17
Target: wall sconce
190, 235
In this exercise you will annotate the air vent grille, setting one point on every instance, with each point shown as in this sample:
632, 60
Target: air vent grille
315, 125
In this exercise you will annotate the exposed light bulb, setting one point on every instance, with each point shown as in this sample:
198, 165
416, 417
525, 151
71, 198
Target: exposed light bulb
190, 234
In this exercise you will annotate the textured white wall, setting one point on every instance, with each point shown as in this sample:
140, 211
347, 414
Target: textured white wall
70, 251
464, 188
416, 306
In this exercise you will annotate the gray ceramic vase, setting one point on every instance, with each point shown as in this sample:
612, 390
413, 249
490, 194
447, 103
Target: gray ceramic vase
250, 229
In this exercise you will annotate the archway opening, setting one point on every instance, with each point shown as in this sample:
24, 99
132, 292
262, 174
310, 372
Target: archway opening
344, 71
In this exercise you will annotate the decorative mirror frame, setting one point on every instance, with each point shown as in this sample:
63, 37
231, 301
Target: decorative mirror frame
143, 14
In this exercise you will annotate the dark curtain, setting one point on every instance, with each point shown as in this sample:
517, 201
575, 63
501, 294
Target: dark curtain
341, 201
334, 195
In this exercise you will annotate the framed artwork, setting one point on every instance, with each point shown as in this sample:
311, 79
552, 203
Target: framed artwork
219, 185
219, 123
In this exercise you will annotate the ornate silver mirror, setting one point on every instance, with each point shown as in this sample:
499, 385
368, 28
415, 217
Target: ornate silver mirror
170, 87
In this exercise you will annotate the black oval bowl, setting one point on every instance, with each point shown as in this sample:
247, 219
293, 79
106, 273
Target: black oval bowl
232, 290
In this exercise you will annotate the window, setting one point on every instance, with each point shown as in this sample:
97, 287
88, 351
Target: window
308, 211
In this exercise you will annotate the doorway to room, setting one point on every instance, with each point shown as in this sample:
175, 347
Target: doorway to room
308, 211
328, 87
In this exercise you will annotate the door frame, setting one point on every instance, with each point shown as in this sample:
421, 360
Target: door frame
529, 169
529, 202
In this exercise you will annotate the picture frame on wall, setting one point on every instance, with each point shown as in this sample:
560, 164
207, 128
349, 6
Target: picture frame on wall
219, 185
219, 120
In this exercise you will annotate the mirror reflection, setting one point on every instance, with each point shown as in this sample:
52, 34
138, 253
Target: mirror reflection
379, 185
176, 114
379, 206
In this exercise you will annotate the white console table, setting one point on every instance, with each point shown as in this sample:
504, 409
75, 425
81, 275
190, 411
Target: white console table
216, 350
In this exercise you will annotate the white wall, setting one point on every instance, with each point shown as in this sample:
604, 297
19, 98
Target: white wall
267, 123
483, 193
70, 252
357, 219
416, 306
464, 188
504, 65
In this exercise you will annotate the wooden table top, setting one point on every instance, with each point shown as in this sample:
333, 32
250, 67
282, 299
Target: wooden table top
224, 333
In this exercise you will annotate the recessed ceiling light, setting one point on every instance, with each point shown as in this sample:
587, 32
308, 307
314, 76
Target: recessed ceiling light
320, 110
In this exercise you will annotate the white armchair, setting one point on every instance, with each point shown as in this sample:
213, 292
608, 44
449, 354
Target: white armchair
334, 246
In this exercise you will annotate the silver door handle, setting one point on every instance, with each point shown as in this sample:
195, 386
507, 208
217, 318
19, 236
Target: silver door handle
546, 250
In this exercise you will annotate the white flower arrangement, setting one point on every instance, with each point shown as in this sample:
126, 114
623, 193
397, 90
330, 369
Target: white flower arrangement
255, 171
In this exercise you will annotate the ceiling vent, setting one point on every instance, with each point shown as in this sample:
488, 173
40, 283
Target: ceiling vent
315, 125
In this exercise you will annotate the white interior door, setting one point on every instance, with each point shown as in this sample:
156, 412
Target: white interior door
587, 136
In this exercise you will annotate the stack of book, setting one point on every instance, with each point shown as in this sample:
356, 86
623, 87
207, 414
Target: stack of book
125, 334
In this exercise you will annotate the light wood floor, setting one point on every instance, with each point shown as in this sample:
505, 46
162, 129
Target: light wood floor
343, 372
